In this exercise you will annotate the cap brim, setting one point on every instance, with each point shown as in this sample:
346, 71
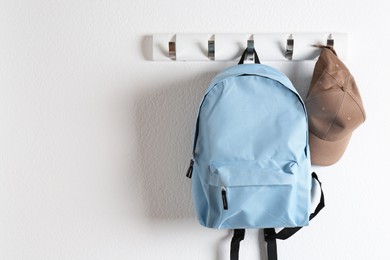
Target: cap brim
325, 153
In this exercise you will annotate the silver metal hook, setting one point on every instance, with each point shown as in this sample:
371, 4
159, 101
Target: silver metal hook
289, 48
172, 50
330, 41
211, 49
250, 46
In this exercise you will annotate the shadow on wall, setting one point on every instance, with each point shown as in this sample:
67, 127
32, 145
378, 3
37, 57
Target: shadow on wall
165, 118
299, 73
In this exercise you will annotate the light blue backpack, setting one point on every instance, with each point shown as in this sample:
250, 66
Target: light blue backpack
251, 160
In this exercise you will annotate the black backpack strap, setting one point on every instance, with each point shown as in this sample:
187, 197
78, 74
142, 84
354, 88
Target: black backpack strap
321, 204
270, 235
239, 234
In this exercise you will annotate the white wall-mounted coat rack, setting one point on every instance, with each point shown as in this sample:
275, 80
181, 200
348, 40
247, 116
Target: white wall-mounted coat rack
228, 47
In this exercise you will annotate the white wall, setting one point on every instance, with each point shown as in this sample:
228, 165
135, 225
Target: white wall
95, 138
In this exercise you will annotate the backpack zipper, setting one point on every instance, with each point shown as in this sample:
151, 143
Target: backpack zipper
189, 171
224, 198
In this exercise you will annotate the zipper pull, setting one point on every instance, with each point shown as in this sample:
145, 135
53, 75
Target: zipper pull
224, 198
189, 171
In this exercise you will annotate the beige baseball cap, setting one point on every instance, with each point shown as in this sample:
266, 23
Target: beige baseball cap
334, 107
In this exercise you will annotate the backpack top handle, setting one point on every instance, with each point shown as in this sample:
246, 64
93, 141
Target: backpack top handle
245, 54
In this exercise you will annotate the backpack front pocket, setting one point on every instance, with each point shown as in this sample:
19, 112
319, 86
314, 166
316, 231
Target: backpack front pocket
252, 194
251, 173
